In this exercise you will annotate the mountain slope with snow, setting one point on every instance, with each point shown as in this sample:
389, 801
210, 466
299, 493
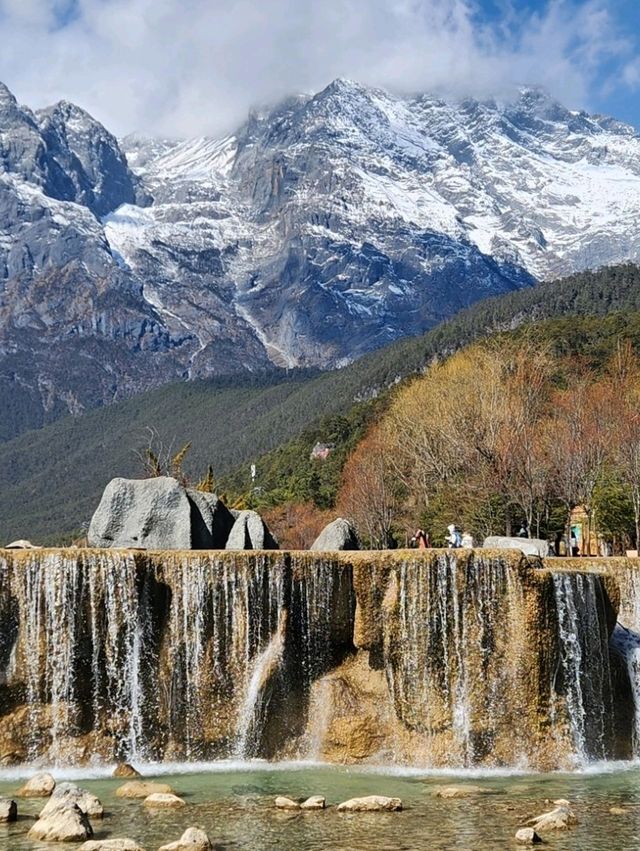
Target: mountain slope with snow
325, 227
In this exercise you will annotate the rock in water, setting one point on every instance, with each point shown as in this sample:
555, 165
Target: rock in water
191, 840
67, 793
154, 514
110, 845
142, 789
529, 546
8, 810
39, 786
465, 791
123, 769
283, 803
338, 535
250, 532
527, 836
65, 823
163, 799
370, 804
560, 818
315, 802
212, 521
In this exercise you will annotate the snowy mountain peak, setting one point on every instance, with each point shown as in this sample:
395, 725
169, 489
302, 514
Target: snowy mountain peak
7, 98
326, 226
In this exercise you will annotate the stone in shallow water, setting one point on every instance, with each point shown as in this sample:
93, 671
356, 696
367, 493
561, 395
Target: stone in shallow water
618, 811
64, 823
371, 803
192, 839
466, 791
163, 799
560, 818
66, 793
8, 810
315, 802
283, 803
39, 786
124, 769
142, 789
110, 845
527, 836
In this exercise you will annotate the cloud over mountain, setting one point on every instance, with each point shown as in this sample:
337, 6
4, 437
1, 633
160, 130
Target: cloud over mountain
185, 67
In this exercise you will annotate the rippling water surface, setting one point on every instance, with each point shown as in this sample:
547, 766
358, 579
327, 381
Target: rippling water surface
234, 804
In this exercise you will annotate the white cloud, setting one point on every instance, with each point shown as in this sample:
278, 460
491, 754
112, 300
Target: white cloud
631, 74
183, 67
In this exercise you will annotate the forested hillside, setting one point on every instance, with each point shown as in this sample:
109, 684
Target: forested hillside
51, 479
512, 433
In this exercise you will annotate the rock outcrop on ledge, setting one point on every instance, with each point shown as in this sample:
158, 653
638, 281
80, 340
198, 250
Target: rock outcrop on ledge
161, 514
336, 536
250, 532
528, 546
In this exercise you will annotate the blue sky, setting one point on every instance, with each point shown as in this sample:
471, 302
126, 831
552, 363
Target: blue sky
187, 67
608, 92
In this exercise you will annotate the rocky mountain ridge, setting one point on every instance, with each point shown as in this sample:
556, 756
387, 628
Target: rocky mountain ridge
327, 226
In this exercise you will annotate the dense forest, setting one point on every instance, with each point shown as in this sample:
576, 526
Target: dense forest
52, 478
576, 358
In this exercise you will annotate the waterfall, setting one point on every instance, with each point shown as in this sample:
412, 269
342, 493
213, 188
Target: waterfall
451, 650
121, 655
463, 658
585, 675
255, 706
626, 638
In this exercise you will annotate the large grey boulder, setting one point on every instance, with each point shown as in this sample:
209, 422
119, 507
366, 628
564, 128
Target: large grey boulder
529, 546
212, 521
154, 514
338, 535
250, 532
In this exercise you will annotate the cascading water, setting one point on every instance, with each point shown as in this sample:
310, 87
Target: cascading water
626, 638
451, 659
585, 674
451, 651
137, 656
266, 666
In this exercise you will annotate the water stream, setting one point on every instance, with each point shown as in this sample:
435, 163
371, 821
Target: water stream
585, 672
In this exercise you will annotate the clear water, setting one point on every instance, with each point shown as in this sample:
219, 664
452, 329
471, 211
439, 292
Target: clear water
235, 806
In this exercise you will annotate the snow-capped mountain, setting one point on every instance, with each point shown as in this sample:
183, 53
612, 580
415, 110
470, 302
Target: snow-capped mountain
325, 227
